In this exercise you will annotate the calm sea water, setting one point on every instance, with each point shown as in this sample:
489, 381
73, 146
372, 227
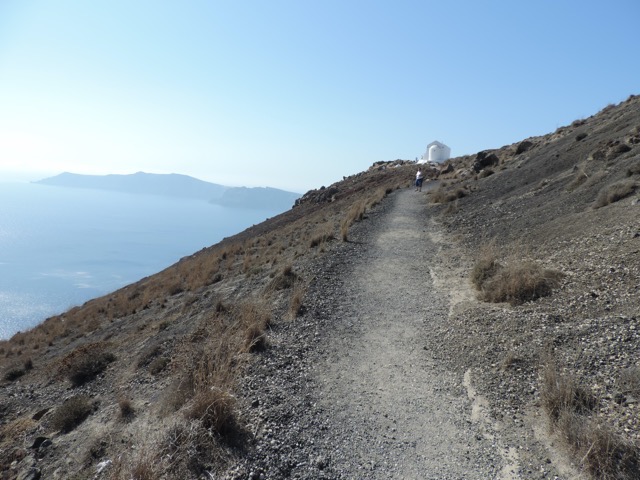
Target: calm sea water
60, 247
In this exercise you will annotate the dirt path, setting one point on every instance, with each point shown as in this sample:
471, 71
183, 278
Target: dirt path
407, 417
352, 390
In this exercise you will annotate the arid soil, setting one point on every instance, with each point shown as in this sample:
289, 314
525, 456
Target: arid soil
345, 339
367, 398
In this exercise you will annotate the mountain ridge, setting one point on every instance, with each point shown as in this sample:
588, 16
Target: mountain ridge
180, 186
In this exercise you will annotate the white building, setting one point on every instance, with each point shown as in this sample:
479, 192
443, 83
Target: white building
436, 153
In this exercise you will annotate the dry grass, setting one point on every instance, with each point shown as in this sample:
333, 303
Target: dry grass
282, 281
127, 410
520, 282
486, 266
254, 319
629, 381
86, 362
561, 393
215, 410
322, 235
569, 406
515, 281
145, 463
579, 178
207, 352
615, 192
296, 303
354, 214
445, 193
71, 413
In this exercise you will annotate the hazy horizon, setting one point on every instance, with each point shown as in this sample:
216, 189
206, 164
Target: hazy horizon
296, 95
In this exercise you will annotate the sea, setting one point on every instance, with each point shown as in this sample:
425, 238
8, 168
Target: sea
60, 247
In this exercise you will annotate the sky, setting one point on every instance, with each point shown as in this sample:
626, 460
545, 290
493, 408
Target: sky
296, 94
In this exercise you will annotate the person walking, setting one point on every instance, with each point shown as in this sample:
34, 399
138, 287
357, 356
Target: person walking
419, 180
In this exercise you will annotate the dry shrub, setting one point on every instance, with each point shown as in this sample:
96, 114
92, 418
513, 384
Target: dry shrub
629, 381
579, 178
13, 373
88, 365
615, 192
596, 178
127, 411
520, 282
296, 305
354, 214
321, 235
189, 450
486, 266
601, 452
254, 320
144, 463
11, 433
158, 365
284, 280
215, 410
452, 208
71, 413
444, 194
561, 393
149, 354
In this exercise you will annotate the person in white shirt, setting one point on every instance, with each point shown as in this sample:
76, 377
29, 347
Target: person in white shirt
419, 180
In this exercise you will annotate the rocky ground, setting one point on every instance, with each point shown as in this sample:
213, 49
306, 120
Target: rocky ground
393, 366
358, 392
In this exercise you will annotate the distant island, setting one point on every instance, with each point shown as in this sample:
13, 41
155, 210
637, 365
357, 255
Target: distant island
182, 186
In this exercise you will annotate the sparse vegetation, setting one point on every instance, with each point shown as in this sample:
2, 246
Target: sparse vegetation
322, 235
198, 324
14, 373
516, 281
579, 178
445, 193
569, 406
354, 214
615, 192
215, 410
127, 411
71, 413
296, 305
87, 362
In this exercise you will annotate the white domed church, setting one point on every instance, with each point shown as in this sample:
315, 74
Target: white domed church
436, 153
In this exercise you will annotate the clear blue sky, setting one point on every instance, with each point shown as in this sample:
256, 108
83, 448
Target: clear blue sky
296, 94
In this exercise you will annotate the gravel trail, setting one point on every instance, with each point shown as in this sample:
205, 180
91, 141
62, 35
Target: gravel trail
357, 393
407, 417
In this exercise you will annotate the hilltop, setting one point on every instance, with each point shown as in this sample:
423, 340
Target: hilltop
254, 358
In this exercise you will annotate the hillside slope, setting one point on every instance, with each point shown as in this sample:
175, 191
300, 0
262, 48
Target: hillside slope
215, 365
